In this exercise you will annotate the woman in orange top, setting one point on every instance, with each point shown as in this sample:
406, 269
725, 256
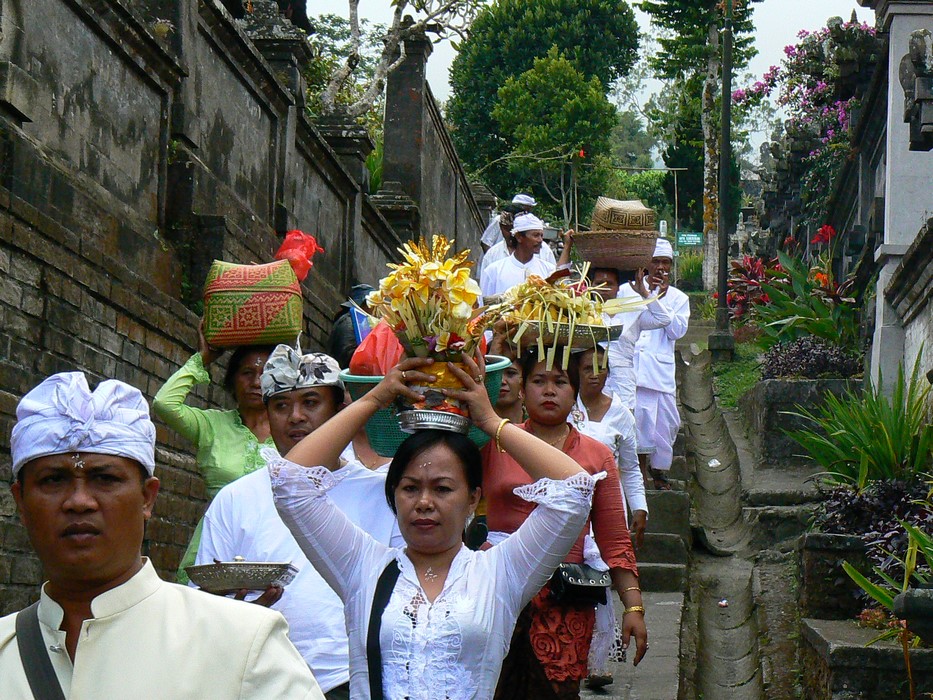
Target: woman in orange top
550, 647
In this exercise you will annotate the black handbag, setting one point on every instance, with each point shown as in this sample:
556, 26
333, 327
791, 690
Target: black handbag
579, 584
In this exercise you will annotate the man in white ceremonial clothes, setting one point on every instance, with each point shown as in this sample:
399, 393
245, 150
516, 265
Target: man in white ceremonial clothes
302, 392
503, 248
106, 626
528, 232
657, 419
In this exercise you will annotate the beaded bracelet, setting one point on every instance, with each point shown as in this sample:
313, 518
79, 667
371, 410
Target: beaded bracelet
499, 432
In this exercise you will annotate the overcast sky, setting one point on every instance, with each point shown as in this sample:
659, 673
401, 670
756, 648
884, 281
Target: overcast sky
776, 21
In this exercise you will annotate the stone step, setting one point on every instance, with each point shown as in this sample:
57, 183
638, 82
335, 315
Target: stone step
656, 577
778, 524
662, 548
669, 512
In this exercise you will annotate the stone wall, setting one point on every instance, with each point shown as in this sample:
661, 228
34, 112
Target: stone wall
421, 166
139, 141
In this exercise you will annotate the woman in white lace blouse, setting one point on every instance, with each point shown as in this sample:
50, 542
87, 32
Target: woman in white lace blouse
449, 619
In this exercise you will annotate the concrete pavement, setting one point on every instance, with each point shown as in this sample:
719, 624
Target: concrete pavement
657, 676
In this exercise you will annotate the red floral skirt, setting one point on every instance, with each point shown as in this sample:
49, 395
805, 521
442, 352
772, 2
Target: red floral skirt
550, 648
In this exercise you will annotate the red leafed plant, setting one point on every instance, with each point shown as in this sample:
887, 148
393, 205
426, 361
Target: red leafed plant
745, 279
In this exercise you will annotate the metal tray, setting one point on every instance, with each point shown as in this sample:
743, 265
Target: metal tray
224, 576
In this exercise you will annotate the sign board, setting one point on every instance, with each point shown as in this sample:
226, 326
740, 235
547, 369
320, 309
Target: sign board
688, 238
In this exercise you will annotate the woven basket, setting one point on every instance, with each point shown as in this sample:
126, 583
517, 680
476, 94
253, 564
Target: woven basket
383, 429
623, 235
251, 304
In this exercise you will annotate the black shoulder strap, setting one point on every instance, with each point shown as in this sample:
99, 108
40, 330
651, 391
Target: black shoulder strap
384, 587
35, 657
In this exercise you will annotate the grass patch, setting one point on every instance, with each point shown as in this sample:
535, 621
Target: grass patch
732, 379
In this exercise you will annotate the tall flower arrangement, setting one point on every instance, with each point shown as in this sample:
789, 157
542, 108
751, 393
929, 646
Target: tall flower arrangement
428, 300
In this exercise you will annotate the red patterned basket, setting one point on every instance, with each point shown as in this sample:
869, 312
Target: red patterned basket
251, 304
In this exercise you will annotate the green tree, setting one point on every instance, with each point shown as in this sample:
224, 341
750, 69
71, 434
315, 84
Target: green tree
551, 117
690, 49
630, 143
599, 37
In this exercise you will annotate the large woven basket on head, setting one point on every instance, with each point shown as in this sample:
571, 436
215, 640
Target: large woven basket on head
383, 430
251, 304
623, 235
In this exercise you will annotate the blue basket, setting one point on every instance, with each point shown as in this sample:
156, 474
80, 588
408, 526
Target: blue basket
383, 429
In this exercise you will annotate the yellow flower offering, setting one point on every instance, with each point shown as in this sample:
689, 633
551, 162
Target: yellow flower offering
429, 301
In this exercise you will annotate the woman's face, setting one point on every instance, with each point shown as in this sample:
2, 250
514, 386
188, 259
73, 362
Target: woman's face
592, 383
433, 500
510, 392
549, 395
246, 388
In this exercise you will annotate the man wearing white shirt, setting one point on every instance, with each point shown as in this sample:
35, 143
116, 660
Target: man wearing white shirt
656, 416
622, 377
301, 393
528, 232
106, 625
502, 250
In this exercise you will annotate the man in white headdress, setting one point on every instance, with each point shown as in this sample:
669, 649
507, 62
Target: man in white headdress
656, 416
523, 261
506, 243
83, 468
493, 232
301, 392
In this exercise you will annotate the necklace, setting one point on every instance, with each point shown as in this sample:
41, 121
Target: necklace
555, 442
429, 574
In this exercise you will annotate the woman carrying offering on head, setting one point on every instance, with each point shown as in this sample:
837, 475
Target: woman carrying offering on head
228, 441
551, 643
449, 615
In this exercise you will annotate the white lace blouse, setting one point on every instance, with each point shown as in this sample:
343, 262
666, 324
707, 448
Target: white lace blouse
452, 648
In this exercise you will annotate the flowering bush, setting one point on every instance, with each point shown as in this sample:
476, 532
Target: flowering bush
814, 85
804, 299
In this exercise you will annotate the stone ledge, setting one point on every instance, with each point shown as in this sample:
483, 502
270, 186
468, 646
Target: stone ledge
837, 664
764, 408
910, 288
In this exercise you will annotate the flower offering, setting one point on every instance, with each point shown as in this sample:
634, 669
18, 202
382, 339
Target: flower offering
428, 300
560, 313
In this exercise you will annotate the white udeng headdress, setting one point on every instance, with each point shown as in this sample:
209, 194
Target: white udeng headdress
527, 222
62, 415
663, 249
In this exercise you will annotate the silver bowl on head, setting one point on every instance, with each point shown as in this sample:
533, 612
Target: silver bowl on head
420, 419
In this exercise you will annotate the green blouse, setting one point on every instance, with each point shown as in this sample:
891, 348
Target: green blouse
227, 449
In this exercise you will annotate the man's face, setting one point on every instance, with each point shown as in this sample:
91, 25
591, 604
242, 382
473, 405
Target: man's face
610, 280
85, 515
295, 414
660, 267
531, 241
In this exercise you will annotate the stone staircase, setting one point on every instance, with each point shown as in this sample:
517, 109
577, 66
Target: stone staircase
663, 558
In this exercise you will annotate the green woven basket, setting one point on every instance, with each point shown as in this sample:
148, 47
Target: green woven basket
383, 430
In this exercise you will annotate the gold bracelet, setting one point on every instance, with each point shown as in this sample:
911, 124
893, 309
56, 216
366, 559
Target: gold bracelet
634, 608
499, 432
631, 588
